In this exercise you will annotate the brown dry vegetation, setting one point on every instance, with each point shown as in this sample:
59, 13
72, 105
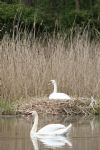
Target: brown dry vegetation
75, 107
27, 65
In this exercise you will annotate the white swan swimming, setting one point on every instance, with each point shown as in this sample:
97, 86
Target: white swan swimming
48, 130
58, 96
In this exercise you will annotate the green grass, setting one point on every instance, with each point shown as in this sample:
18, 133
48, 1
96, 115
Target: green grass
6, 108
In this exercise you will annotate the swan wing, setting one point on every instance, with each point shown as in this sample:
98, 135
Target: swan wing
61, 131
55, 129
64, 96
59, 96
50, 128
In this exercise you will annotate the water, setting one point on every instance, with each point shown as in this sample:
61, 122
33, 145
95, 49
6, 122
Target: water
15, 134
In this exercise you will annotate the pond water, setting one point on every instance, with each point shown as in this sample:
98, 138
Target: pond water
15, 134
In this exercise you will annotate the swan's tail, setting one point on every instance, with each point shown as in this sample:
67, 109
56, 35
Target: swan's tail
63, 131
69, 127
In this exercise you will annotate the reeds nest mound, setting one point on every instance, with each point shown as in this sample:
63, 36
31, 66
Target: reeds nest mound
76, 106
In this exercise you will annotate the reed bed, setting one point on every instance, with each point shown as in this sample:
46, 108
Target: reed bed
27, 65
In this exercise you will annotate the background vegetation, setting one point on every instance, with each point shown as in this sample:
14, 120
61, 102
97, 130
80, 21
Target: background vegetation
28, 64
47, 15
28, 61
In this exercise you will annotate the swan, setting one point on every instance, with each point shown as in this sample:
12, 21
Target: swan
58, 96
48, 130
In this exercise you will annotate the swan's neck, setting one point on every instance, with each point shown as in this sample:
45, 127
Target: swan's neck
55, 88
35, 125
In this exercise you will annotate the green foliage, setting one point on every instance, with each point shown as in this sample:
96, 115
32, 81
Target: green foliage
6, 107
47, 14
10, 1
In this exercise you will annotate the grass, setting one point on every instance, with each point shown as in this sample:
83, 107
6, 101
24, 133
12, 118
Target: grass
28, 64
6, 107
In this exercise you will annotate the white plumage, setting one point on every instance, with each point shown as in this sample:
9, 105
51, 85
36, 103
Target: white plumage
58, 96
54, 129
50, 130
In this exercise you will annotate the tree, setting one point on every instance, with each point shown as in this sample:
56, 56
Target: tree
77, 3
27, 2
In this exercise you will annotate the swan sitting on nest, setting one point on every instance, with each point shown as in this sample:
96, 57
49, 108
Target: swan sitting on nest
58, 96
48, 130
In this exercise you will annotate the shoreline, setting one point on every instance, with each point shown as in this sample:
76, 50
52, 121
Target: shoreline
74, 107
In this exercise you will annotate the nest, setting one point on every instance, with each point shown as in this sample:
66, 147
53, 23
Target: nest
76, 106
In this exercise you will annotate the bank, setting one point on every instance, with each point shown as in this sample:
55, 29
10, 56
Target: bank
77, 106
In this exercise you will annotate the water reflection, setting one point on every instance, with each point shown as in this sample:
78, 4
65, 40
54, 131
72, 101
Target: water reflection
92, 124
15, 134
53, 142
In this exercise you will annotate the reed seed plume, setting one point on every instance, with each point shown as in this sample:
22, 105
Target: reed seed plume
26, 66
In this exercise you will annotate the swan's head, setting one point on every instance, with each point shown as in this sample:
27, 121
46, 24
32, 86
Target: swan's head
53, 81
34, 113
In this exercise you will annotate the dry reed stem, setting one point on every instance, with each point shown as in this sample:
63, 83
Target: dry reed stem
26, 66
